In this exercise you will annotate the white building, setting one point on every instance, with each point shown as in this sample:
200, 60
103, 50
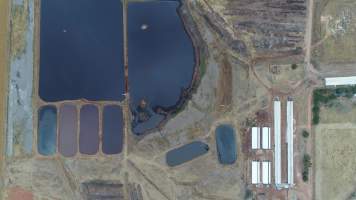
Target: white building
266, 138
289, 138
335, 81
255, 172
266, 172
277, 141
255, 138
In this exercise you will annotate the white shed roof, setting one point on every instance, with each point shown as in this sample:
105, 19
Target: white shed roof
266, 138
255, 172
266, 172
290, 142
277, 142
255, 138
334, 81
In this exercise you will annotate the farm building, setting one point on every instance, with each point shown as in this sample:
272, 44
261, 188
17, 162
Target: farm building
266, 172
255, 172
335, 81
256, 138
277, 141
266, 138
290, 143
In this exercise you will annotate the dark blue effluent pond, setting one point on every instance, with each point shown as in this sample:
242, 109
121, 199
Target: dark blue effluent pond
47, 130
112, 129
161, 58
186, 153
81, 47
226, 144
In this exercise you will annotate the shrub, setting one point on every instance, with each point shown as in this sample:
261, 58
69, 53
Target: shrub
305, 134
294, 66
306, 165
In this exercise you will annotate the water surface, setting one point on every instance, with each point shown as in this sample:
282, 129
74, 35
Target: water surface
81, 47
161, 56
47, 130
112, 129
89, 130
67, 136
226, 144
186, 153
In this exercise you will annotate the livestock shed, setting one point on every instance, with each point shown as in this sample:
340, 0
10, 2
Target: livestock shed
290, 143
266, 172
335, 81
277, 141
255, 172
256, 138
266, 138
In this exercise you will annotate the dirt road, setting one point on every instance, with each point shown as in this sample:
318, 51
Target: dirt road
4, 47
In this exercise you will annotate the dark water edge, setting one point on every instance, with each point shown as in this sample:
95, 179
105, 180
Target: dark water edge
226, 144
47, 130
186, 153
199, 49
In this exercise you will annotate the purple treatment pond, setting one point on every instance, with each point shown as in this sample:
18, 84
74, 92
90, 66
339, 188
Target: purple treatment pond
112, 129
47, 130
67, 137
89, 130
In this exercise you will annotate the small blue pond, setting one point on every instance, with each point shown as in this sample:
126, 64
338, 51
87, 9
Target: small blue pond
47, 130
186, 153
226, 144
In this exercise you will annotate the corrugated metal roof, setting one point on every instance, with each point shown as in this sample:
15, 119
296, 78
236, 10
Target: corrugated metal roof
255, 137
334, 81
266, 138
277, 141
290, 143
255, 172
266, 172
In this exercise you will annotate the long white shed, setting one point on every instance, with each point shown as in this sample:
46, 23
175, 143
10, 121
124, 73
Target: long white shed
277, 142
290, 143
335, 81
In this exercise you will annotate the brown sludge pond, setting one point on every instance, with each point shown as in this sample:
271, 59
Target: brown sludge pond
68, 128
89, 130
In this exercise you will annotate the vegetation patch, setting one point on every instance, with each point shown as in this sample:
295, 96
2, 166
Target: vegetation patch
323, 97
306, 165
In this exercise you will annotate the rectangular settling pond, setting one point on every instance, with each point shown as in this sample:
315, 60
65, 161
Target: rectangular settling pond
81, 50
89, 130
112, 129
68, 128
47, 130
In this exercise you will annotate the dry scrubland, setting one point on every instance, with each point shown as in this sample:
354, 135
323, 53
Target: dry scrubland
335, 162
334, 34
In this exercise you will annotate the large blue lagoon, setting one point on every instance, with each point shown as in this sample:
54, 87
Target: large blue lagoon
161, 60
81, 47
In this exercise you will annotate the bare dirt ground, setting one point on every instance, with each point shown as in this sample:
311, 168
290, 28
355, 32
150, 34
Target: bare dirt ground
4, 52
